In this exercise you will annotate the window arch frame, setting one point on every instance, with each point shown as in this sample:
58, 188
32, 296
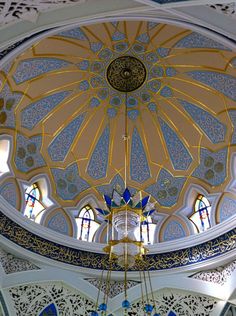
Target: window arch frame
91, 219
150, 233
5, 155
201, 211
34, 199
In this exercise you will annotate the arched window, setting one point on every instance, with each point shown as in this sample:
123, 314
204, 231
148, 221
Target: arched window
146, 231
33, 201
86, 224
201, 215
4, 155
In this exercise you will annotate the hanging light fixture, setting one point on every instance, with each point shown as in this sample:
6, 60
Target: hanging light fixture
125, 213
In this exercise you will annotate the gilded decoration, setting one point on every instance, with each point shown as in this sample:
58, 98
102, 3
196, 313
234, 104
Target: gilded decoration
171, 73
62, 102
169, 260
126, 73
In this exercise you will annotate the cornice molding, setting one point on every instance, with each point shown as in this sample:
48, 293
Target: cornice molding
36, 244
191, 16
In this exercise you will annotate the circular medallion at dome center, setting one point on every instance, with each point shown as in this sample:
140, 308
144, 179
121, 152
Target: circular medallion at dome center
126, 73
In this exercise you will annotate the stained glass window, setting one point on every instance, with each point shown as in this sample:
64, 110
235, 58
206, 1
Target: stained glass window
86, 224
33, 201
201, 215
4, 155
146, 231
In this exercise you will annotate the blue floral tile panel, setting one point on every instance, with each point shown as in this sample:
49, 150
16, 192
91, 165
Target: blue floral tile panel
8, 191
173, 230
179, 155
167, 188
232, 114
197, 40
68, 182
116, 183
143, 38
58, 223
209, 124
98, 163
139, 169
96, 46
212, 167
76, 33
28, 155
220, 82
227, 208
34, 67
118, 36
59, 147
35, 112
8, 102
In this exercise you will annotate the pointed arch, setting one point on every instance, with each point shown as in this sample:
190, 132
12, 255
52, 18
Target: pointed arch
87, 224
173, 228
36, 198
146, 231
33, 202
201, 214
5, 146
59, 220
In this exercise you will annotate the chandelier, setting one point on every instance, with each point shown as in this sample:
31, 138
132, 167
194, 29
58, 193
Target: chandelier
125, 213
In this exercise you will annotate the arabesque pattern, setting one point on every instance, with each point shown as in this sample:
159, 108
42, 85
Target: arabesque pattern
171, 302
12, 12
68, 121
65, 300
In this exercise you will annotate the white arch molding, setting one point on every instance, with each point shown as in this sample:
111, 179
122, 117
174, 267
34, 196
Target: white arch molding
53, 29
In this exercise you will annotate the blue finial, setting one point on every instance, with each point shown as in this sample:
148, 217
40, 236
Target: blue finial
126, 304
148, 308
103, 307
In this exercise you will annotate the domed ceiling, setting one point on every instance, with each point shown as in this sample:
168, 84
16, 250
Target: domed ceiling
67, 120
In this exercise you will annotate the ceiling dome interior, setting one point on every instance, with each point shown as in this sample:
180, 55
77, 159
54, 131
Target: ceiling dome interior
66, 120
